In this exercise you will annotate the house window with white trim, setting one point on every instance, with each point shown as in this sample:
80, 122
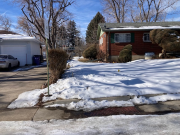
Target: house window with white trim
146, 37
122, 37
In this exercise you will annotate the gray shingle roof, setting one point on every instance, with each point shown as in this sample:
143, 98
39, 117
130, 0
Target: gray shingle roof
139, 26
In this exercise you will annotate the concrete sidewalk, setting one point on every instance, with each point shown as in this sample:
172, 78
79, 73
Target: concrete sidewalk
14, 83
40, 113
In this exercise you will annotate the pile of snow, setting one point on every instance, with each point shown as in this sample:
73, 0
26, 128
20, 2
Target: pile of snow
90, 105
94, 80
26, 99
111, 125
155, 99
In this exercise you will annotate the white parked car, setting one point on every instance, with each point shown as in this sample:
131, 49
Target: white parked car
8, 61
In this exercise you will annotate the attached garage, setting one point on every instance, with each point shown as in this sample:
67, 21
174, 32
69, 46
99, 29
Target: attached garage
21, 47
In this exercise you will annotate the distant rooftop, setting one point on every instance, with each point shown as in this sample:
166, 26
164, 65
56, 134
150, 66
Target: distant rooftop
7, 32
139, 26
10, 37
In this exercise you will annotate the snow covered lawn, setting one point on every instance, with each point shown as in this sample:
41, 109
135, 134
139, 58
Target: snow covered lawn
92, 80
111, 125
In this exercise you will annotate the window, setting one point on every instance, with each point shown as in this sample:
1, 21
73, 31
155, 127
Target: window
10, 57
122, 37
146, 37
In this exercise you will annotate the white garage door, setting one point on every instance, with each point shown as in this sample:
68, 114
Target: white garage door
17, 51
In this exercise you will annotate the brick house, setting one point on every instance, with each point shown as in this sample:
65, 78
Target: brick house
114, 36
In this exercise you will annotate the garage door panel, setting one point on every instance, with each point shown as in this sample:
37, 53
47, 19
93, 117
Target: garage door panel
18, 52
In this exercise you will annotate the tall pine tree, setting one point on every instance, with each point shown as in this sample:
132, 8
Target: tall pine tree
91, 32
61, 36
62, 32
72, 33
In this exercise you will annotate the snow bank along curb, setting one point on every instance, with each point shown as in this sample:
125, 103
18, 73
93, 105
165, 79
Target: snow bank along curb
111, 125
90, 105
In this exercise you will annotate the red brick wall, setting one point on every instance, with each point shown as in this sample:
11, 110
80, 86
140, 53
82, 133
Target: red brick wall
103, 47
139, 46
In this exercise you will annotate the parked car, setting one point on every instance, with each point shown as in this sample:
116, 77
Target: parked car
8, 61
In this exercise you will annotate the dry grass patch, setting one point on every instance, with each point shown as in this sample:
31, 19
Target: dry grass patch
88, 60
83, 60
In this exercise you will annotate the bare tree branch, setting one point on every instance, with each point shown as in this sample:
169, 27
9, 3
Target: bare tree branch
36, 11
5, 22
138, 10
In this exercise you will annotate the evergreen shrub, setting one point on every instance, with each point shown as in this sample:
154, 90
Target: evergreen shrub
90, 52
168, 39
125, 54
57, 63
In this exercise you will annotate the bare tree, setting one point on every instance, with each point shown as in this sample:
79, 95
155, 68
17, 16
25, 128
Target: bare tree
138, 10
25, 26
116, 9
81, 45
5, 22
36, 11
151, 10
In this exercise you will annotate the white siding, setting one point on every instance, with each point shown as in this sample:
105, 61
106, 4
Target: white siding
23, 50
35, 49
18, 51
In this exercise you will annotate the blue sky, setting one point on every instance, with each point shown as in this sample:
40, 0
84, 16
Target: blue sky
83, 12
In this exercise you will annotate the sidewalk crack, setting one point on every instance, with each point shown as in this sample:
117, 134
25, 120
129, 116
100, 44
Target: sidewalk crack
32, 119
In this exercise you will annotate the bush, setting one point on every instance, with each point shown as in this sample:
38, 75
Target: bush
171, 44
125, 54
157, 35
100, 54
90, 52
168, 39
57, 63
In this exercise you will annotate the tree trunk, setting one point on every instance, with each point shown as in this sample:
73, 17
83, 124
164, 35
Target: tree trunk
163, 55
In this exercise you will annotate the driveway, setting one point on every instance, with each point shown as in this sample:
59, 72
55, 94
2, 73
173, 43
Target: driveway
14, 83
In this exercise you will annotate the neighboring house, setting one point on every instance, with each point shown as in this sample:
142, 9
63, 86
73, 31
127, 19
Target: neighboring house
114, 36
21, 47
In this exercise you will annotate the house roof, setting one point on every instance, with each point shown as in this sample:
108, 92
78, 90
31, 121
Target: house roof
139, 26
7, 32
17, 37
